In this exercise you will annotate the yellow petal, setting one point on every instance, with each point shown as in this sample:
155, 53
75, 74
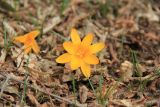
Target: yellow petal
27, 49
35, 47
75, 36
75, 62
34, 33
96, 47
91, 59
20, 39
86, 70
64, 58
88, 39
69, 47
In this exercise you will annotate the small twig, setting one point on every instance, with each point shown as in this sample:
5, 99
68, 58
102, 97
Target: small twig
53, 23
113, 53
4, 85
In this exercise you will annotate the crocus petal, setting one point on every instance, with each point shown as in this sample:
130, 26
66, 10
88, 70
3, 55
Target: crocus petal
64, 58
27, 49
88, 39
20, 39
91, 59
75, 62
69, 47
75, 36
96, 47
35, 47
34, 33
86, 70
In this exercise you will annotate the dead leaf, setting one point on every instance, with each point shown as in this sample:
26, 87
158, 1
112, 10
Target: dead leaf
66, 77
44, 105
150, 14
152, 36
127, 23
113, 53
8, 97
51, 24
83, 92
32, 98
17, 55
10, 30
126, 70
3, 56
12, 89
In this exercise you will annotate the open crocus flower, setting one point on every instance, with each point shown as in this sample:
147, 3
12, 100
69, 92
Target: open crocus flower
29, 41
80, 53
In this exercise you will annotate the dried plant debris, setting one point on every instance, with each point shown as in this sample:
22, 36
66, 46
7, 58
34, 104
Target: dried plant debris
126, 70
32, 33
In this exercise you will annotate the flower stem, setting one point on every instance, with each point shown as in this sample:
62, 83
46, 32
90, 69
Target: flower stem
25, 84
74, 88
92, 86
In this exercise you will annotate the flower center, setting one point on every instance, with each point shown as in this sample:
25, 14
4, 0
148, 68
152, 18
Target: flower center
29, 40
81, 51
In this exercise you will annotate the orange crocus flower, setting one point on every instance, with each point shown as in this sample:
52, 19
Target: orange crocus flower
80, 53
29, 41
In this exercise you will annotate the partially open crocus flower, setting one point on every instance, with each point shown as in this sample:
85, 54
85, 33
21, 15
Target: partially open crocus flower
80, 53
29, 41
